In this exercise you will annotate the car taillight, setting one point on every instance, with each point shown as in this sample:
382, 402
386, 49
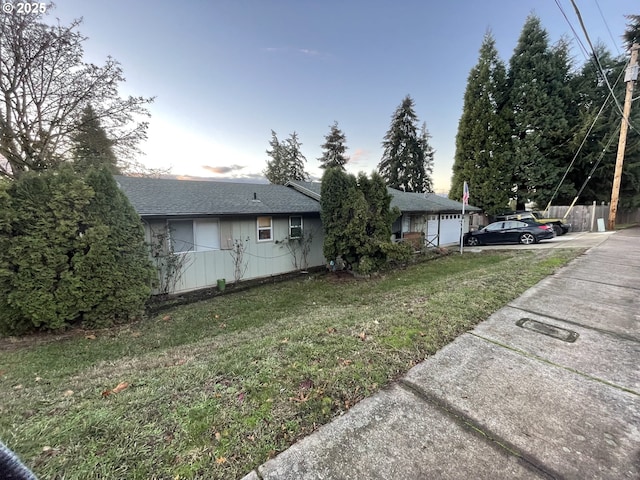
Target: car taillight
545, 227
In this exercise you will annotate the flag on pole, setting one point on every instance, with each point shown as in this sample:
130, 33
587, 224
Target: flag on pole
465, 194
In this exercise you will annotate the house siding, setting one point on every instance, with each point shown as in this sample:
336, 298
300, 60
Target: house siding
262, 258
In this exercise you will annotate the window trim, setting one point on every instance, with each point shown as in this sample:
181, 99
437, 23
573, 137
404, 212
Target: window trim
264, 229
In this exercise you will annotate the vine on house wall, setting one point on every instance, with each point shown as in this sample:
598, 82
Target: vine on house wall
169, 264
237, 252
299, 248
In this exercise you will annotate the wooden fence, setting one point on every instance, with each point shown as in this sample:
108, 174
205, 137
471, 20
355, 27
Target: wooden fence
584, 218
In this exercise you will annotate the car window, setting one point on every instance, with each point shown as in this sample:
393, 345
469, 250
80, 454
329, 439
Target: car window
518, 224
495, 226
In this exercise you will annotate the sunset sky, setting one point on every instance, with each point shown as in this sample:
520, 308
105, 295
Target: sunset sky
227, 72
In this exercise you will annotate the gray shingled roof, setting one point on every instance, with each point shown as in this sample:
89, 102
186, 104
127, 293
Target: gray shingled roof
169, 197
405, 201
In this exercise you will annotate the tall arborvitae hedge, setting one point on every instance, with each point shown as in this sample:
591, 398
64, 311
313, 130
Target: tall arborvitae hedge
73, 251
356, 217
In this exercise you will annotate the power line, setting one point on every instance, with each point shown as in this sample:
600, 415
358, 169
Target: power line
595, 55
607, 25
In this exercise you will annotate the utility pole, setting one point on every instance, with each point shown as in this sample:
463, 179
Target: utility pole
630, 78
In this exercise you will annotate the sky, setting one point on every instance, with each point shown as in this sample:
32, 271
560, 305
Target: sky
225, 73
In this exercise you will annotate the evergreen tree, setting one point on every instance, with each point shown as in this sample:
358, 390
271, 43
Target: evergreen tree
295, 160
357, 219
75, 252
343, 214
599, 113
429, 153
91, 146
483, 134
404, 160
287, 160
276, 167
632, 32
539, 97
334, 148
114, 265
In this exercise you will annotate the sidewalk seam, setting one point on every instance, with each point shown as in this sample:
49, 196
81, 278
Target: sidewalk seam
467, 423
548, 362
608, 284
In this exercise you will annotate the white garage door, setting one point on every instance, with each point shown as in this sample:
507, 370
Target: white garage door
450, 228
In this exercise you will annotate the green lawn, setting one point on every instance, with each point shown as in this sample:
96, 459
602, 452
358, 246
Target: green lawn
218, 387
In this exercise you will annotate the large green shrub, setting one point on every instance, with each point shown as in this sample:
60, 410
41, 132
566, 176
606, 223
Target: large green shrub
357, 219
73, 250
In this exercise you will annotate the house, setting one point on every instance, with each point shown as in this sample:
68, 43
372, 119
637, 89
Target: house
427, 219
203, 231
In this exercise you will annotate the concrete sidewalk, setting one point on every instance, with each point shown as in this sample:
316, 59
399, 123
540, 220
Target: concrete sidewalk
547, 387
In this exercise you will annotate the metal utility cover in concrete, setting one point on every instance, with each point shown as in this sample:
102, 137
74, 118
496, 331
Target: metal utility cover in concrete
547, 329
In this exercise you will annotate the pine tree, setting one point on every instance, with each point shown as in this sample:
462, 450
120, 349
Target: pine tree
483, 134
287, 160
539, 97
295, 160
403, 163
276, 167
429, 153
632, 32
91, 146
334, 148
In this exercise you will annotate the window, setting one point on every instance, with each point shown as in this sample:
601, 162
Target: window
207, 235
494, 227
265, 229
295, 227
194, 235
181, 235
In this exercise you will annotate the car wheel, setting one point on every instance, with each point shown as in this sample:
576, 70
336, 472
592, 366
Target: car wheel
473, 242
527, 238
558, 230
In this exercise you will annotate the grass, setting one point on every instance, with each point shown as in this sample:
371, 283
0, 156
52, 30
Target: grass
218, 387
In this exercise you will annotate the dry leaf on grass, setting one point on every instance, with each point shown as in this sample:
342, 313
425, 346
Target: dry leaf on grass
91, 336
120, 387
221, 460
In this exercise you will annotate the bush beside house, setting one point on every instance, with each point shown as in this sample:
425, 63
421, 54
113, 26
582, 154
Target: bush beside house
357, 219
71, 250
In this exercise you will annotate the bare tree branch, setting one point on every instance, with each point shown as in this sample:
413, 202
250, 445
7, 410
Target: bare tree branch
44, 87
